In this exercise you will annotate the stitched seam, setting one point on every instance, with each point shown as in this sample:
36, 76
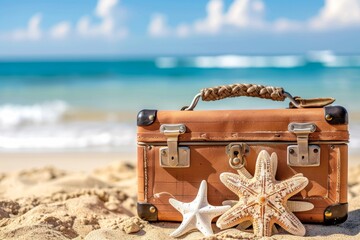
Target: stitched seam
338, 175
145, 175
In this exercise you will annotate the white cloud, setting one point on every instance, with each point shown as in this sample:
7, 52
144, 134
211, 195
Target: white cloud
286, 25
250, 15
333, 15
83, 25
240, 14
182, 30
337, 14
104, 8
60, 30
32, 32
109, 27
245, 13
214, 19
158, 26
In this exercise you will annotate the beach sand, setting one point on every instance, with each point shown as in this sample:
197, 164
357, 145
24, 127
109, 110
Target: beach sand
92, 196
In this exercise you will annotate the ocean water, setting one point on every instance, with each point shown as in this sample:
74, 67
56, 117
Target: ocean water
82, 105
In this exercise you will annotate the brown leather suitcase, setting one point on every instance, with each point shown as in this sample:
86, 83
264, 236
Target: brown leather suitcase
178, 149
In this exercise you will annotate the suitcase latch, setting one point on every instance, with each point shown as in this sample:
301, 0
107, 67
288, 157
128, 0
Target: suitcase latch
173, 156
237, 153
303, 154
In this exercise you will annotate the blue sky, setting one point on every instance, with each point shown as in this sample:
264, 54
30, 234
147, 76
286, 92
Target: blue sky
38, 28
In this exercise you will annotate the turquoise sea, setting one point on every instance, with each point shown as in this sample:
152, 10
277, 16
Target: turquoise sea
82, 104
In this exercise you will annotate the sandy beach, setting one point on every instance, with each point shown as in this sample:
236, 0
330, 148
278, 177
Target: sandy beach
76, 75
97, 200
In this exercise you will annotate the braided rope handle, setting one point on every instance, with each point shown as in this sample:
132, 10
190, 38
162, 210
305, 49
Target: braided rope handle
241, 89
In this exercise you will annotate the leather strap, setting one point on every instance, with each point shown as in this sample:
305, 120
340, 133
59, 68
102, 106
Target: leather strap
312, 102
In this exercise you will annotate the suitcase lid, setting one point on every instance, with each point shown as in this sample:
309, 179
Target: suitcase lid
271, 125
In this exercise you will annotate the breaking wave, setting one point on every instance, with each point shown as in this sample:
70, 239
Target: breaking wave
42, 127
70, 136
322, 58
12, 115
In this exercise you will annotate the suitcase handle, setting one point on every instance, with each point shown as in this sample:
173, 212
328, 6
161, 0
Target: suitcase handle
241, 89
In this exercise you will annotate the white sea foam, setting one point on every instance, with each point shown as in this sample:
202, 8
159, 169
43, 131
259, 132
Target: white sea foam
41, 127
15, 115
166, 62
354, 145
70, 136
329, 59
325, 58
234, 61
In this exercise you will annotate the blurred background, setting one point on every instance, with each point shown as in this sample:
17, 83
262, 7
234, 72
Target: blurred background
74, 74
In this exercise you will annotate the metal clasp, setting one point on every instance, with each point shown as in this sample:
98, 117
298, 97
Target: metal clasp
237, 153
172, 155
303, 155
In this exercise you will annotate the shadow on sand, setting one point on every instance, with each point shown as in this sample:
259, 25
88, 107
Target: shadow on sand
349, 228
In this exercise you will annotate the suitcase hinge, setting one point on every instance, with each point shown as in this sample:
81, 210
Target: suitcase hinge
303, 154
172, 155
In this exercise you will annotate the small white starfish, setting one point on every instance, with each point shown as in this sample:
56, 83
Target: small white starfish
197, 214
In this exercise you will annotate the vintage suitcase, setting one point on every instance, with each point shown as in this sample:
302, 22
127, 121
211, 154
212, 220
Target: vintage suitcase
178, 149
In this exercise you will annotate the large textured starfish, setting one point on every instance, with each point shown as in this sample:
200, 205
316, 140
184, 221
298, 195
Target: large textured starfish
263, 200
197, 214
293, 206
